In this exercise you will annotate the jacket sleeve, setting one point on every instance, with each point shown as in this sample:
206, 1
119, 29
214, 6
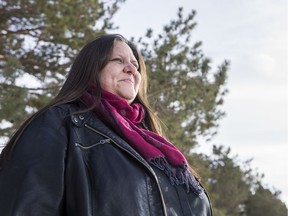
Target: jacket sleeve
32, 181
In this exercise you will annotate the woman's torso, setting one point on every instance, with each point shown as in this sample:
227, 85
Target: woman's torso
99, 175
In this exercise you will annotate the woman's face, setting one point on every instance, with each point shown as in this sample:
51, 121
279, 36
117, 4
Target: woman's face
121, 76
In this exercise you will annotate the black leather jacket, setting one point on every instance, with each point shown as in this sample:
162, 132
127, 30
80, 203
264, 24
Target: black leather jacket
74, 165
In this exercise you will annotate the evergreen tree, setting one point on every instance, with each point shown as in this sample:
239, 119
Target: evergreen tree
229, 184
183, 90
38, 40
264, 202
235, 189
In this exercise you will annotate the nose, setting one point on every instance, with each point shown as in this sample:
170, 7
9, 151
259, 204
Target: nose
130, 68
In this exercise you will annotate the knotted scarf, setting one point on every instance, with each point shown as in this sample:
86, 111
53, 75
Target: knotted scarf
126, 119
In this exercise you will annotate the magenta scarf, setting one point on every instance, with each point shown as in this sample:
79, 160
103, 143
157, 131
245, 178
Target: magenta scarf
127, 119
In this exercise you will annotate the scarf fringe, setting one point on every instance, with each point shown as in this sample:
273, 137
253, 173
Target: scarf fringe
179, 175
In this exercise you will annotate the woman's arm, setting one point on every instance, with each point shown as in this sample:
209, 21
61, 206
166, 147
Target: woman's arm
32, 181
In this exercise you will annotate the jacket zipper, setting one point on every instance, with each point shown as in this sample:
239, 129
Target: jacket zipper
95, 144
150, 170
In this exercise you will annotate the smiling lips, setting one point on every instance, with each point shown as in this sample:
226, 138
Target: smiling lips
127, 80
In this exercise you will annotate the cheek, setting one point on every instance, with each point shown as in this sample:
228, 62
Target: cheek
105, 82
104, 76
102, 81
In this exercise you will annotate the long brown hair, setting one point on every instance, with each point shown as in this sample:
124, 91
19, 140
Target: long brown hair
86, 70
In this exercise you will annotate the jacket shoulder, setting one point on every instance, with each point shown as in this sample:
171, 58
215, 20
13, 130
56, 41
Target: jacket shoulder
63, 111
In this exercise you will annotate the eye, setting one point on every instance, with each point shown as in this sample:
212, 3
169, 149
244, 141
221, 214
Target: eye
119, 60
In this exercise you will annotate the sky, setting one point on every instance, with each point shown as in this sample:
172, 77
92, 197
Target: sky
252, 35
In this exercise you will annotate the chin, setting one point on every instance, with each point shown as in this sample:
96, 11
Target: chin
130, 100
129, 97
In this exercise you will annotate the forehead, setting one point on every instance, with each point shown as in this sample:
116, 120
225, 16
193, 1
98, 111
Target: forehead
122, 48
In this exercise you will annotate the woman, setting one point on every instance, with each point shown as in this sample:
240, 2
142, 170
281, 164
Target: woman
97, 148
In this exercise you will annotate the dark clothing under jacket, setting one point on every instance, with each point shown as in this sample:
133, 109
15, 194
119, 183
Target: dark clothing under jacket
74, 165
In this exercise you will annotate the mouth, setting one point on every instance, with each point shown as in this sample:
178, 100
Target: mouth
127, 80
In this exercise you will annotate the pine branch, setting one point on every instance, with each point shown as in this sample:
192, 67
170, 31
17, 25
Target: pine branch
21, 31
